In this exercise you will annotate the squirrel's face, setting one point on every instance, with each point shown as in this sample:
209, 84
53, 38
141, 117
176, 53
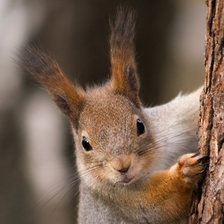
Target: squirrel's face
112, 135
113, 140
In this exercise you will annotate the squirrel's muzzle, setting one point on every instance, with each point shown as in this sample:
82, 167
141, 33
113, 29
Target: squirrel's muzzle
121, 164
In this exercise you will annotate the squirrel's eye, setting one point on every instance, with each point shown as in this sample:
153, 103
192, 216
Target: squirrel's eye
140, 127
85, 144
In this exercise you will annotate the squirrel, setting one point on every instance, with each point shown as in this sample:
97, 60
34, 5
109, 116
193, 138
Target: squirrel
140, 165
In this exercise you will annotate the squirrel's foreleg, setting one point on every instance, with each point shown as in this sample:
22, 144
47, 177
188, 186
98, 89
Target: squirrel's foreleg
171, 190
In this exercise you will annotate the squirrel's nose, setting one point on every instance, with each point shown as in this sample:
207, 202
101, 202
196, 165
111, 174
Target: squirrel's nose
121, 164
124, 170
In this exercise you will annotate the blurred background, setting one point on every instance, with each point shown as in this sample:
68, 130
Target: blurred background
36, 145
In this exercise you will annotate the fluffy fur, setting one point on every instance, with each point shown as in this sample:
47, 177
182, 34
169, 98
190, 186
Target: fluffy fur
126, 177
122, 51
45, 70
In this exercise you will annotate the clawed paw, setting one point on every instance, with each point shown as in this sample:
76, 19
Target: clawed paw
191, 167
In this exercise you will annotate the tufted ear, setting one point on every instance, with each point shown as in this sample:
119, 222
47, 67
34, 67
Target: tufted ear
124, 79
46, 71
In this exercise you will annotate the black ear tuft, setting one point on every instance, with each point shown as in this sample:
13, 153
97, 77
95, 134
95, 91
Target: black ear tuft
45, 70
122, 50
39, 64
123, 30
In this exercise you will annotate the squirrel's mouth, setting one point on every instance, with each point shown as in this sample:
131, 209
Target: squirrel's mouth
126, 180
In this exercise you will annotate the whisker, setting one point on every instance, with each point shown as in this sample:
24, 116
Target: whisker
171, 137
63, 190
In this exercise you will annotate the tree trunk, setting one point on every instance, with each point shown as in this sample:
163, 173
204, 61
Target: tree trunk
209, 206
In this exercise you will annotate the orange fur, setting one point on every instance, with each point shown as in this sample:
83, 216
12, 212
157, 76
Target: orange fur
166, 194
170, 194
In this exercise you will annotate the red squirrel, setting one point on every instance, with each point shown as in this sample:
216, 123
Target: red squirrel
140, 164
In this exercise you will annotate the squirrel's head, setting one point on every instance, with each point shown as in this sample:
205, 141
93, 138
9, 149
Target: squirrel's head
112, 134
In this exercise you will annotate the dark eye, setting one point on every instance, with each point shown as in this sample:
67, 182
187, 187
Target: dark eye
140, 127
85, 144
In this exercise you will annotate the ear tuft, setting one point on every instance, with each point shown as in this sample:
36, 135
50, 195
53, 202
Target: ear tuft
123, 30
39, 64
122, 51
45, 70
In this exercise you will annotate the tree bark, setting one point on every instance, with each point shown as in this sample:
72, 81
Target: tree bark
208, 207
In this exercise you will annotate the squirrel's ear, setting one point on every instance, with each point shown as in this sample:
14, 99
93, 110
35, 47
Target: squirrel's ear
46, 71
124, 79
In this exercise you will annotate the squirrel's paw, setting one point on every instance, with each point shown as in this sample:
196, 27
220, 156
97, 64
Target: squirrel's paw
190, 167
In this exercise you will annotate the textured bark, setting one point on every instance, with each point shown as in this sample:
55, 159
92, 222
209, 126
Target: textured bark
209, 206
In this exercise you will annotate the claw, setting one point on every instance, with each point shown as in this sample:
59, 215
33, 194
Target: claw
193, 167
204, 164
203, 159
199, 173
196, 154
